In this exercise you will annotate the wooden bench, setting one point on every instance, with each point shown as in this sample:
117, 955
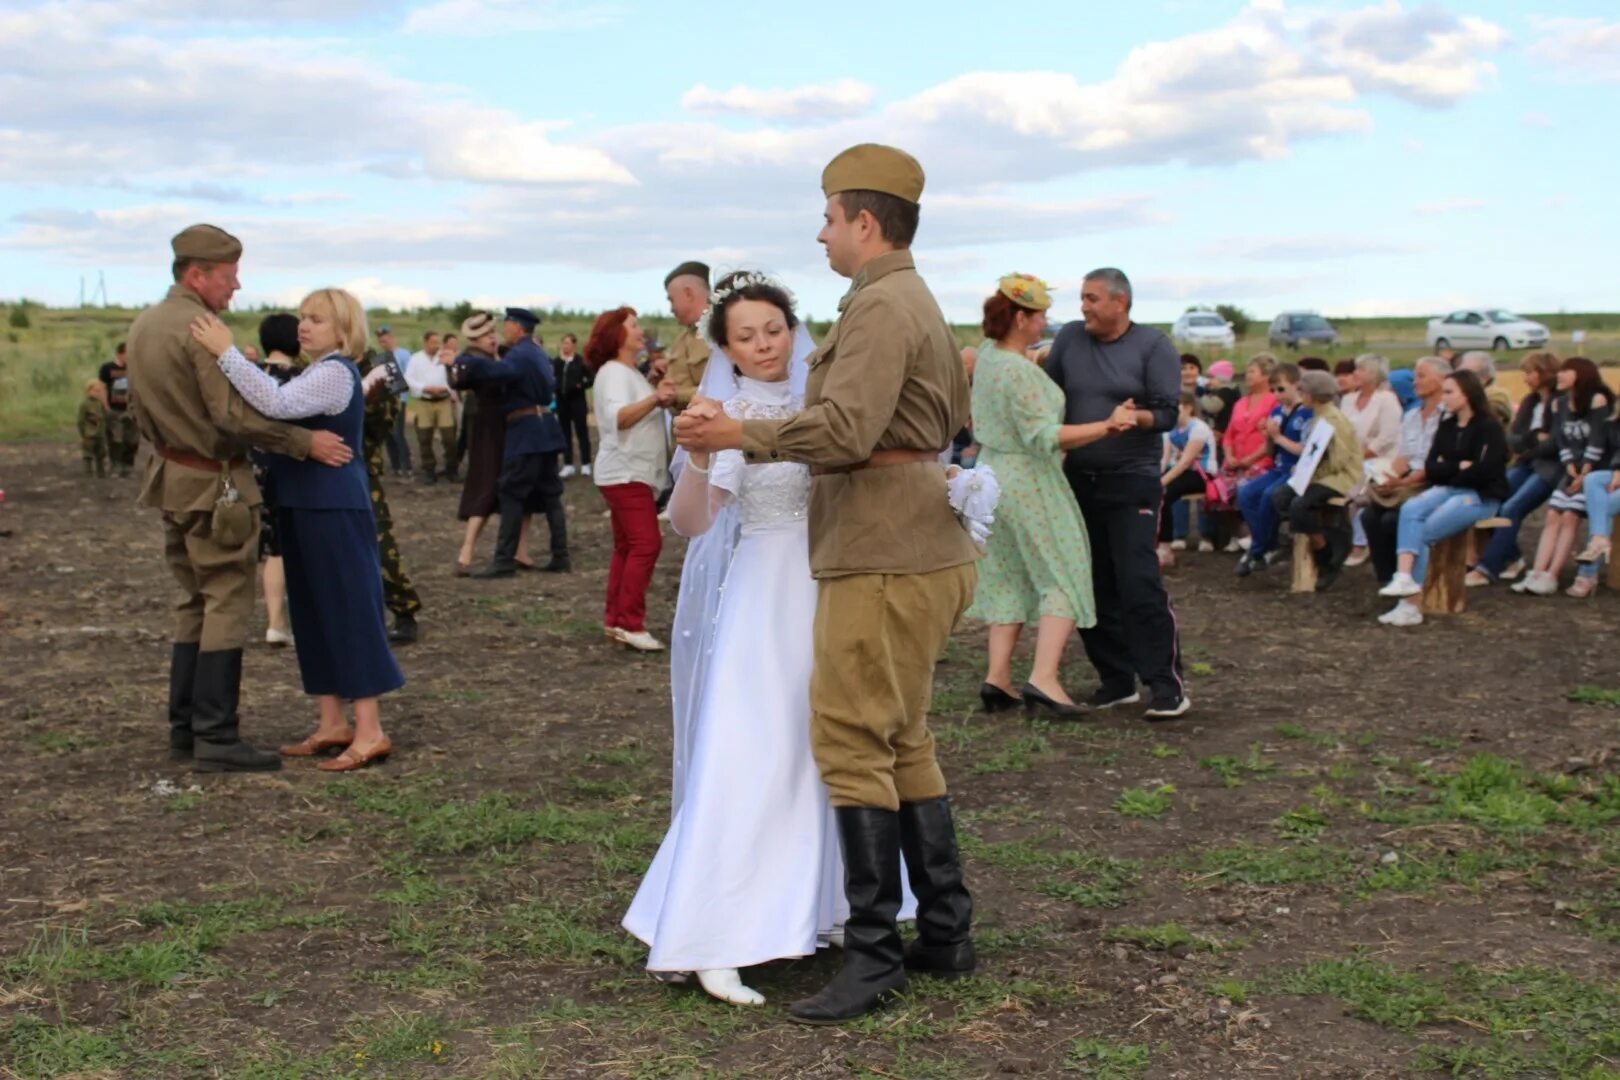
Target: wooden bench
1444, 590
1304, 567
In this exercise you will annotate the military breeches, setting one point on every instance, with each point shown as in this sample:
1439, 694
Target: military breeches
399, 595
123, 438
94, 449
216, 582
877, 639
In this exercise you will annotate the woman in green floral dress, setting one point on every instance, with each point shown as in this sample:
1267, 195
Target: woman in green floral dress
1037, 566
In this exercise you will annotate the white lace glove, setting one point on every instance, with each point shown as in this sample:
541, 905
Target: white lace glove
974, 494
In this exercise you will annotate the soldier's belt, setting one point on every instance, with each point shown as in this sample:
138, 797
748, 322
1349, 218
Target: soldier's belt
531, 410
196, 461
879, 459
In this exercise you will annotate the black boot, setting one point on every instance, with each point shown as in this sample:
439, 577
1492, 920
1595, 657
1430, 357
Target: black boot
404, 631
944, 945
218, 748
874, 967
182, 677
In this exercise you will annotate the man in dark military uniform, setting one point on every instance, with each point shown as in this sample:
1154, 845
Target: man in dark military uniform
894, 569
200, 430
687, 287
399, 595
530, 470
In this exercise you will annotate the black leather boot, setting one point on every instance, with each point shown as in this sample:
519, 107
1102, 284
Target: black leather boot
218, 747
944, 945
874, 967
182, 678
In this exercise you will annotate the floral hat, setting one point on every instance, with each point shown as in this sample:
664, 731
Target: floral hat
1025, 290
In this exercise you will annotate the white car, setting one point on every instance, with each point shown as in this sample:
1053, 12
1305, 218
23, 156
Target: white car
1484, 328
1203, 328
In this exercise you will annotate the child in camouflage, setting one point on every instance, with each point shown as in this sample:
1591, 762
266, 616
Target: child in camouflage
93, 428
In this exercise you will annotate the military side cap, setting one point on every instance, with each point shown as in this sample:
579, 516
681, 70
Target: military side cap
476, 326
873, 167
207, 243
523, 317
1025, 290
691, 268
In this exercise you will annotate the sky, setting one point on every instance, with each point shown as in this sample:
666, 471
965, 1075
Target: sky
1357, 158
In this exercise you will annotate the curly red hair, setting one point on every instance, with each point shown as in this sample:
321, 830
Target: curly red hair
607, 337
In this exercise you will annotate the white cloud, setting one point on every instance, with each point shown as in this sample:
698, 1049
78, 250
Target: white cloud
1304, 248
486, 18
1454, 205
1426, 55
845, 97
1579, 50
1536, 120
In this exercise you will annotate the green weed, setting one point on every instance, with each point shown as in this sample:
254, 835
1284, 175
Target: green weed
1142, 803
1302, 823
1103, 1060
1595, 695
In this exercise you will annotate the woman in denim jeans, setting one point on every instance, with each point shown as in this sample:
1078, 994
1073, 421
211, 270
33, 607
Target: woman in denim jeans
1467, 467
1534, 474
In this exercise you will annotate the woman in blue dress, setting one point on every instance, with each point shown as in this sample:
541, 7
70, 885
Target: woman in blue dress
325, 526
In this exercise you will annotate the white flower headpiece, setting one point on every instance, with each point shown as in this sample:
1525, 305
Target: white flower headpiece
733, 286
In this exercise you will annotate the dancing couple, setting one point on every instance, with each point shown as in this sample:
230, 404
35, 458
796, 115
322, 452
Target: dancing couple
802, 751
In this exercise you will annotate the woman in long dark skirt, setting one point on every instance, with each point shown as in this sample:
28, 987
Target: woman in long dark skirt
325, 525
485, 447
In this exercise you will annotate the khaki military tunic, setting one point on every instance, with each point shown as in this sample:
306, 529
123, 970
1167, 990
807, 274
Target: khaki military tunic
895, 567
688, 359
183, 402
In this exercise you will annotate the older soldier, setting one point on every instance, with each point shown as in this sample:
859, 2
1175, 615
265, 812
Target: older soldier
885, 394
200, 430
530, 467
687, 287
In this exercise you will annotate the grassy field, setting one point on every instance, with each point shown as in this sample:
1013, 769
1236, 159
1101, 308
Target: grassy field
43, 367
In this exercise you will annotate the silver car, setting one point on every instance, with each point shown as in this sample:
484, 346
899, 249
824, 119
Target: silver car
1484, 328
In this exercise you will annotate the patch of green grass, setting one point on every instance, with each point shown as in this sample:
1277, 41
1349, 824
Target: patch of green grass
1300, 864
1201, 669
1501, 796
1159, 751
1142, 803
960, 735
620, 757
1234, 990
186, 800
1371, 990
57, 742
559, 932
1595, 695
398, 1039
1441, 742
1232, 770
1160, 938
1302, 823
1291, 730
1083, 878
1016, 755
34, 1048
1101, 1059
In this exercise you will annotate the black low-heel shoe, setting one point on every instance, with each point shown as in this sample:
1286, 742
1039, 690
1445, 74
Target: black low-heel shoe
996, 699
1034, 700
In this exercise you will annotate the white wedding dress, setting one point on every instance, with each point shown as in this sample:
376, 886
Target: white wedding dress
750, 870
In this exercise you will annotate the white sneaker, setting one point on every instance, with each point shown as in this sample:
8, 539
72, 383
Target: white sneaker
1205, 545
1512, 572
1523, 584
1401, 585
1357, 557
1402, 615
1178, 545
641, 641
276, 637
1235, 546
565, 472
727, 985
1243, 543
1540, 584
584, 470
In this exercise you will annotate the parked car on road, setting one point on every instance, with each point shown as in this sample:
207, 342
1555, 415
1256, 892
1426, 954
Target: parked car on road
1296, 328
1484, 328
1203, 328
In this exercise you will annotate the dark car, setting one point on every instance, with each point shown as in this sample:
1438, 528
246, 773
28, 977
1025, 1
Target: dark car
1296, 328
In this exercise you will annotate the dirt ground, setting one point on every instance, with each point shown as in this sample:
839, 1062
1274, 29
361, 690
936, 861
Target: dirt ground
1367, 852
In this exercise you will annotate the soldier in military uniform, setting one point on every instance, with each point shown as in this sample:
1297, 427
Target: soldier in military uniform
886, 393
399, 594
687, 287
200, 430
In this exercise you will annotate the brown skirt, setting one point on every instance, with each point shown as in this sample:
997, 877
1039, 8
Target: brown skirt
485, 447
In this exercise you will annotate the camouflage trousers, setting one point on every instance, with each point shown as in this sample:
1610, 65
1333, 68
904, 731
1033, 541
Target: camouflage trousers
399, 595
123, 439
94, 448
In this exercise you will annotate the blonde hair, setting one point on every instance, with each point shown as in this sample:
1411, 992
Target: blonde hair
348, 320
1266, 362
93, 385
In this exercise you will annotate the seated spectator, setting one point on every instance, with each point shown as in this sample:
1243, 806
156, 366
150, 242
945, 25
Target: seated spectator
1284, 429
1219, 398
1483, 365
1189, 456
1602, 491
1375, 414
1581, 417
1467, 471
1534, 473
1245, 451
1192, 372
1406, 476
1401, 383
1336, 473
1344, 374
1314, 363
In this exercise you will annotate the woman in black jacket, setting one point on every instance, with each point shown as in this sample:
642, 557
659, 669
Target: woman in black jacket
1533, 475
1581, 416
1467, 471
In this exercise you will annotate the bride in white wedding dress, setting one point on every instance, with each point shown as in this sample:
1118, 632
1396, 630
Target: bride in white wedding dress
750, 869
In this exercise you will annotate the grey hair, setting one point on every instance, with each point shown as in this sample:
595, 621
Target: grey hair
1118, 284
1480, 363
1374, 365
1441, 368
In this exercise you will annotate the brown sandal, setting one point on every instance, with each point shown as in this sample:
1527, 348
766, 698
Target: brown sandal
313, 745
349, 760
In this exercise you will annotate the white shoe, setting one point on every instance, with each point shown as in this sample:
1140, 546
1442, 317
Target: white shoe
1235, 546
1178, 545
1205, 545
1401, 585
584, 470
1356, 558
1402, 615
641, 641
1541, 584
727, 985
1523, 584
1243, 542
565, 472
273, 636
1512, 572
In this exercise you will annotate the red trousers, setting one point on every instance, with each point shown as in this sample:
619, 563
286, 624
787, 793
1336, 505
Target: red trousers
637, 540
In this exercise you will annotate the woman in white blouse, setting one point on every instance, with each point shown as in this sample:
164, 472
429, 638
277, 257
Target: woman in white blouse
1375, 412
631, 468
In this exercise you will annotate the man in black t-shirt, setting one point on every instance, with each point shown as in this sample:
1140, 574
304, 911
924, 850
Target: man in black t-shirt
123, 437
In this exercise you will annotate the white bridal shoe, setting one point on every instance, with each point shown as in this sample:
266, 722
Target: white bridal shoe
727, 985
